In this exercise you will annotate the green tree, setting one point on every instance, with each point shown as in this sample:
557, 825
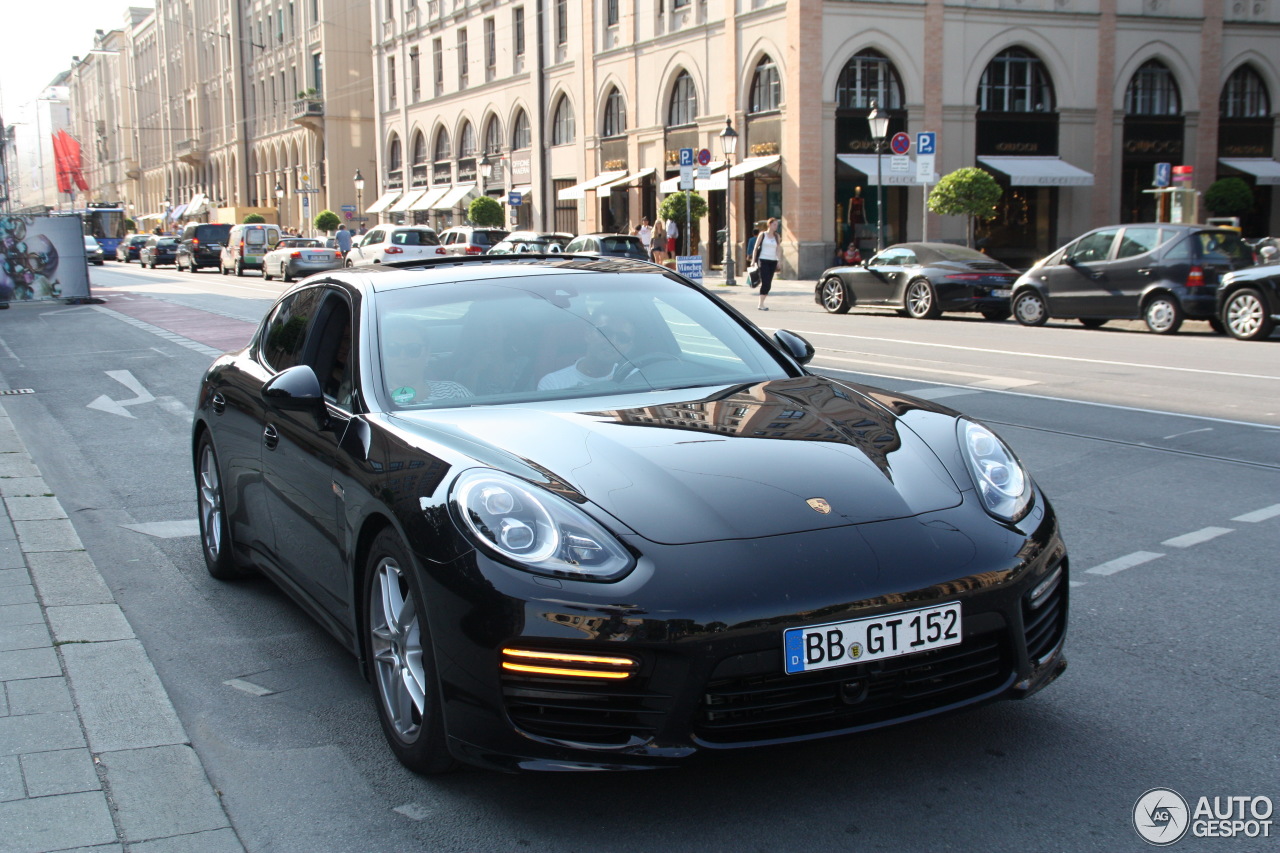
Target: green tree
969, 192
674, 207
1229, 197
327, 221
485, 212
254, 219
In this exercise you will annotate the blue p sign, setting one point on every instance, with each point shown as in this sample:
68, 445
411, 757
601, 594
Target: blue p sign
686, 156
927, 143
1164, 174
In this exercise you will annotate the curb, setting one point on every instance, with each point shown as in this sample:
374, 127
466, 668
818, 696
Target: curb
92, 753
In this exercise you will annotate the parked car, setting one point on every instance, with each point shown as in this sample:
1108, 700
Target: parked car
200, 245
128, 248
920, 280
158, 249
466, 240
1161, 272
295, 257
609, 245
93, 251
386, 243
1249, 302
246, 246
538, 242
491, 478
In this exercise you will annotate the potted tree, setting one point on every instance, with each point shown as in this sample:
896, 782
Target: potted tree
969, 192
686, 209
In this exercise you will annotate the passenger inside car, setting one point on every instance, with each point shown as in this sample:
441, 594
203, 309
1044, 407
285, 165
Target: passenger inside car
406, 364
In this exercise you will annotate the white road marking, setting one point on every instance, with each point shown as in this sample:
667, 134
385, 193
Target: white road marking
1259, 514
1006, 383
167, 529
982, 377
174, 406
1128, 561
248, 687
1188, 432
164, 333
1196, 537
1076, 583
939, 393
118, 407
413, 811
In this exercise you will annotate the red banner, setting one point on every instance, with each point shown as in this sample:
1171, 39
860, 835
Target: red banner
61, 167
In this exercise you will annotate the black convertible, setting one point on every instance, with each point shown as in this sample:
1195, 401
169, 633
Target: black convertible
921, 280
572, 512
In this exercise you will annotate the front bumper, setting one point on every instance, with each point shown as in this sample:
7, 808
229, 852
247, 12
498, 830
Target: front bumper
707, 633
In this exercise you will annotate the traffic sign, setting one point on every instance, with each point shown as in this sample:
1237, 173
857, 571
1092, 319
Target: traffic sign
927, 143
350, 207
899, 163
686, 156
1183, 173
686, 176
515, 199
900, 144
704, 157
924, 168
1164, 171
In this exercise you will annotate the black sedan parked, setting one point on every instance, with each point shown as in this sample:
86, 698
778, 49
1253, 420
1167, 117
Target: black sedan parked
576, 513
921, 280
158, 250
128, 248
608, 245
1249, 302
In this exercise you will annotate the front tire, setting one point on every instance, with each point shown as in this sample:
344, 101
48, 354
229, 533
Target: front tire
239, 269
398, 644
1163, 314
922, 300
1029, 308
834, 296
1245, 316
215, 535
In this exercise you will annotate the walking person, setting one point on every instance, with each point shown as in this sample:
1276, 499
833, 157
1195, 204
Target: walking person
658, 241
343, 236
765, 256
673, 233
646, 236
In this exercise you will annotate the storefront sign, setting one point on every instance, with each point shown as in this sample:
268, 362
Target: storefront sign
521, 168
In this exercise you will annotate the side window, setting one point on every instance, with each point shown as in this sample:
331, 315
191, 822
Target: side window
1137, 241
286, 329
908, 259
332, 351
372, 237
1094, 247
1180, 253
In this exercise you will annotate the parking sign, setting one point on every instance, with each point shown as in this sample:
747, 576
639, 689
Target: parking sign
927, 143
686, 156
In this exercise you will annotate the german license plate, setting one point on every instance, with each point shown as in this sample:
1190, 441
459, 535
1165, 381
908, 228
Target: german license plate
1002, 291
873, 638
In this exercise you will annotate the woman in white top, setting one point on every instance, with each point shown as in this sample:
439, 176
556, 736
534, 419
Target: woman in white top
765, 255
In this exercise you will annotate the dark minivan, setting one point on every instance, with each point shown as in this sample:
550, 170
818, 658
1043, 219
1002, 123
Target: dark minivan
1162, 272
201, 245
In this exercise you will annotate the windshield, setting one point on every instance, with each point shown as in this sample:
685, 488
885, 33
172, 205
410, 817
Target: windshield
534, 338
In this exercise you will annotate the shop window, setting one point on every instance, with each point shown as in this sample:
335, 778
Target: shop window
1015, 81
1153, 92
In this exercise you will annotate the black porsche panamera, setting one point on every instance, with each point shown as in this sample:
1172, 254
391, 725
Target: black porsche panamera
575, 513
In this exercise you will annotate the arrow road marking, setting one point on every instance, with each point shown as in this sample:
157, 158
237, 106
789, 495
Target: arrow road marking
117, 407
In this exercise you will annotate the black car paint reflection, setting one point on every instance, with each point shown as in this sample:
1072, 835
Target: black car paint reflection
769, 500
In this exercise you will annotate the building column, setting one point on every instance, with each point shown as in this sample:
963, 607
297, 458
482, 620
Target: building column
1106, 154
1206, 153
806, 248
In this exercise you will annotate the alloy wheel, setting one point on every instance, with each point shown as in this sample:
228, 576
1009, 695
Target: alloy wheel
833, 296
1246, 316
210, 504
920, 300
396, 647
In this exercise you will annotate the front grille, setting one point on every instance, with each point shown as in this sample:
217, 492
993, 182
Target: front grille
582, 712
773, 705
1045, 625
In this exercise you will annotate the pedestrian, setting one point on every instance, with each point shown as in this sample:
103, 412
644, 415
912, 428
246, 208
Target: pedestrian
851, 256
766, 256
646, 236
753, 271
343, 236
673, 232
658, 241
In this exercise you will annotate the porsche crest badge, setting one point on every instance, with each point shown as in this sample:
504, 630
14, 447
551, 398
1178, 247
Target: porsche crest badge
819, 505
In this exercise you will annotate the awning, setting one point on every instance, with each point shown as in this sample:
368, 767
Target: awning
199, 204
626, 181
580, 190
526, 193
455, 196
406, 200
383, 202
866, 164
1266, 170
175, 212
1039, 171
429, 198
751, 164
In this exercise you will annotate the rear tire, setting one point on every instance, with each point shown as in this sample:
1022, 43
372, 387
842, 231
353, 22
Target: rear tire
922, 300
215, 534
239, 269
834, 296
1163, 314
1029, 308
1245, 316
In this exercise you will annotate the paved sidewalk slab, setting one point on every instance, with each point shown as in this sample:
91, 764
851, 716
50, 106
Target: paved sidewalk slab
64, 771
16, 637
120, 697
34, 508
56, 823
69, 578
50, 535
215, 841
25, 487
39, 696
88, 623
39, 733
161, 792
29, 663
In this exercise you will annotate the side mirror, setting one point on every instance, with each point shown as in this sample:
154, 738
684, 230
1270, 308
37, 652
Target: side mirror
296, 389
1070, 260
794, 346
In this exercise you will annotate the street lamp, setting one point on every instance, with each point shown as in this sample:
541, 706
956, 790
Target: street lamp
279, 199
879, 130
729, 145
359, 179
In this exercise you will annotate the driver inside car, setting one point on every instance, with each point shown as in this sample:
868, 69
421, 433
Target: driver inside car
611, 341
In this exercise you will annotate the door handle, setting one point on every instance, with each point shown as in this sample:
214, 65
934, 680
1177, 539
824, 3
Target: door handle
219, 403
270, 436
1146, 270
1097, 276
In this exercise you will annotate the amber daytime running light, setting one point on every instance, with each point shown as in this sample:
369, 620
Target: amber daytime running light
567, 665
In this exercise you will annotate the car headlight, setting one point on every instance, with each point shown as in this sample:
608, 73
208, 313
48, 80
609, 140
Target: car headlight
1002, 482
536, 530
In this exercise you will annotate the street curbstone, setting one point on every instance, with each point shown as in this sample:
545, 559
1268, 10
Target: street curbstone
122, 703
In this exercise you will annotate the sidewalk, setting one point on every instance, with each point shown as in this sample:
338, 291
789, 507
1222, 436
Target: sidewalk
92, 754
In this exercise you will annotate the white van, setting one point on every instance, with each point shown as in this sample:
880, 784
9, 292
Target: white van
246, 247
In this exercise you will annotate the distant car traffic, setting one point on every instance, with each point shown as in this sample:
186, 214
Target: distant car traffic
1249, 302
1162, 273
608, 245
386, 243
537, 242
158, 250
295, 257
466, 240
200, 245
129, 247
921, 280
93, 251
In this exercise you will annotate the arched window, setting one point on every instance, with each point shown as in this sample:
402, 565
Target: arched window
869, 76
443, 152
615, 114
493, 137
562, 131
395, 159
1152, 91
467, 141
766, 89
684, 102
1245, 95
521, 133
1015, 81
419, 149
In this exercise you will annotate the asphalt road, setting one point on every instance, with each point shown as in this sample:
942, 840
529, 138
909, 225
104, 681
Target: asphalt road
1162, 457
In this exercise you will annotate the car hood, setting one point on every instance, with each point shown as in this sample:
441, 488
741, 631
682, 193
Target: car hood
758, 460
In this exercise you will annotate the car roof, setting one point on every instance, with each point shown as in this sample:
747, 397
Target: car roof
484, 268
